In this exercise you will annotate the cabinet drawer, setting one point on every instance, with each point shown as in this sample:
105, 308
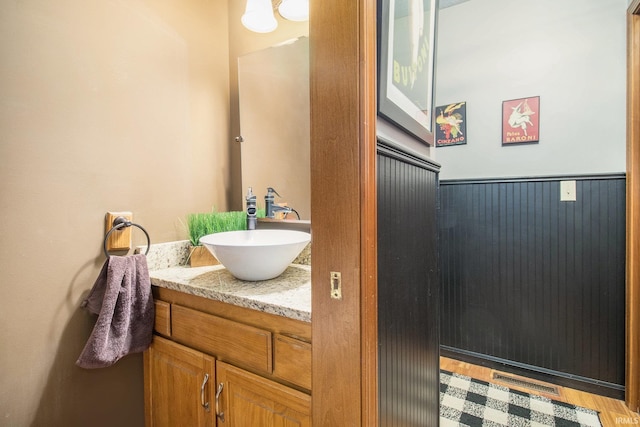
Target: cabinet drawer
227, 340
292, 360
162, 323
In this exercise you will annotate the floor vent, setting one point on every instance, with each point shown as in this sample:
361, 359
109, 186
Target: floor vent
523, 382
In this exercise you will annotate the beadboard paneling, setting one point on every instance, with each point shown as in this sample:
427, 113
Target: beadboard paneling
408, 296
530, 279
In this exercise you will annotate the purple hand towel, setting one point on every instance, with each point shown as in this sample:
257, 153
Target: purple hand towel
122, 299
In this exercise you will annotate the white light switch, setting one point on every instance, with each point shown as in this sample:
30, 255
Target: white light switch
568, 191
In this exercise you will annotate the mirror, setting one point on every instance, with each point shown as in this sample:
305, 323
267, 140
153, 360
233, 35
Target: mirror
273, 91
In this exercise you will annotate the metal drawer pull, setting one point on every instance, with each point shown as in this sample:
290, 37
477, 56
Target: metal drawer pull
202, 402
218, 393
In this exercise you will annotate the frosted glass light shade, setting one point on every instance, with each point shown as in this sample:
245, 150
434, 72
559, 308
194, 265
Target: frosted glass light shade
294, 10
258, 16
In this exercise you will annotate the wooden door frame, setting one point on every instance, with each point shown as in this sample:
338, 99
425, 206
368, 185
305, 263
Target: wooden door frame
342, 36
632, 394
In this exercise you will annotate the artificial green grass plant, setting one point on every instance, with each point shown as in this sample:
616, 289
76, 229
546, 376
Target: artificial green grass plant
201, 224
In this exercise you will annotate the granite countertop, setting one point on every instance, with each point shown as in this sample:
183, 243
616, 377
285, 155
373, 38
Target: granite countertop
287, 295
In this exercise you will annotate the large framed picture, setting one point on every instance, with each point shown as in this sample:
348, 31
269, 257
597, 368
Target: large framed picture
521, 121
406, 48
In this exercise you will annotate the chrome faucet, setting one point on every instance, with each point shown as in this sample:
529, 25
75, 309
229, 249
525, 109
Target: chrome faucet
271, 207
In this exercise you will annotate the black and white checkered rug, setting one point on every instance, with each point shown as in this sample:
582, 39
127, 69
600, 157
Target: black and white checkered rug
470, 402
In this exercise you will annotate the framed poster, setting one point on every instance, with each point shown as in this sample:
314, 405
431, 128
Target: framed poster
406, 43
451, 124
521, 121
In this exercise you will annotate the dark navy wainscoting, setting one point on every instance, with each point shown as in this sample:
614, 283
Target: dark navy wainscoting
531, 282
408, 295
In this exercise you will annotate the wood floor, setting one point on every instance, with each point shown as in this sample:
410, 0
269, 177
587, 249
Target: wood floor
612, 412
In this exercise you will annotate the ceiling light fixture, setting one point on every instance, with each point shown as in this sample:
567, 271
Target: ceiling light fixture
294, 10
258, 14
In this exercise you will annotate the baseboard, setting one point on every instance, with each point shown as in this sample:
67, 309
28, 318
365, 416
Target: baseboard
547, 375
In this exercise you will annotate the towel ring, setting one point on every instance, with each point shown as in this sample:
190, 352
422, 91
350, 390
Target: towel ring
121, 222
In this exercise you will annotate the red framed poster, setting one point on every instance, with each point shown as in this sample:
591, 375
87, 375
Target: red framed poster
521, 121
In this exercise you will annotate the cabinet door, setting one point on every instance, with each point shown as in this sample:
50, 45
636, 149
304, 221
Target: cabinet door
178, 386
250, 400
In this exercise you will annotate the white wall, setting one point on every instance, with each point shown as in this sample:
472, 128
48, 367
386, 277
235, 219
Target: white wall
572, 53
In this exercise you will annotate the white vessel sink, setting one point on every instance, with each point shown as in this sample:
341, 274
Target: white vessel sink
255, 255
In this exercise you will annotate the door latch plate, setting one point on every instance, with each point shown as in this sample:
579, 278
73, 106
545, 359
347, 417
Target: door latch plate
336, 285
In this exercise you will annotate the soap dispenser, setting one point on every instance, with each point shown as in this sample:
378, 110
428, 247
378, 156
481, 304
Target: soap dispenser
251, 210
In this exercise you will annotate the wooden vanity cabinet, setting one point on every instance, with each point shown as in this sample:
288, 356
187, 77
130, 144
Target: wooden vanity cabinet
178, 386
261, 362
